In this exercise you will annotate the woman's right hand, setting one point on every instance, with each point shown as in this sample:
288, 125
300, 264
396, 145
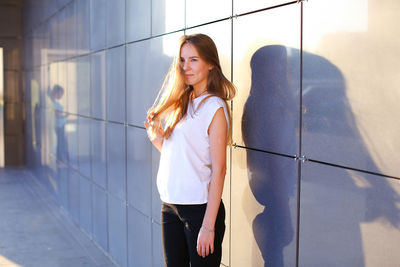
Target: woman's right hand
156, 136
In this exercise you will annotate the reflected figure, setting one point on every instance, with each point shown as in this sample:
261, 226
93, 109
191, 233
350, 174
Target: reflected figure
37, 143
56, 94
269, 122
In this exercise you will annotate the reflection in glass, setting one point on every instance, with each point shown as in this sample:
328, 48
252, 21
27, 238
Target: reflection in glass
56, 94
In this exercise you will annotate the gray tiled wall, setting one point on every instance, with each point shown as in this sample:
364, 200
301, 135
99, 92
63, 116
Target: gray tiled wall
313, 176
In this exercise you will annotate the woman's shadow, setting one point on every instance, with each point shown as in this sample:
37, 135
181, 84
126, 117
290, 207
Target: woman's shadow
270, 122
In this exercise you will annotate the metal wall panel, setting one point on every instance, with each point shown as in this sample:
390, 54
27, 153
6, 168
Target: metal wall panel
83, 85
139, 170
199, 12
266, 71
71, 132
167, 16
147, 64
139, 228
85, 205
348, 218
100, 216
98, 153
350, 84
98, 24
74, 195
115, 22
138, 19
84, 146
117, 229
115, 81
98, 85
264, 209
116, 160
82, 29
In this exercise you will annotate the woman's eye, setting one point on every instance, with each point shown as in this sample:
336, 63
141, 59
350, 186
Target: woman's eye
194, 59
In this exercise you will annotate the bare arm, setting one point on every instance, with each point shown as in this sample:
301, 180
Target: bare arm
218, 140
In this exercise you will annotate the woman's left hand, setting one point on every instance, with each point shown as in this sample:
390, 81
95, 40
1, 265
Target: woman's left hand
205, 242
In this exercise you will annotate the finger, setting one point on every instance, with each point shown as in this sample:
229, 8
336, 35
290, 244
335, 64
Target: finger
146, 125
212, 248
198, 251
207, 250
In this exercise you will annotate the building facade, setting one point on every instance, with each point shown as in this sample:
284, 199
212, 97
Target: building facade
313, 176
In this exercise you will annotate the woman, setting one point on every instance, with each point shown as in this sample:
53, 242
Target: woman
192, 106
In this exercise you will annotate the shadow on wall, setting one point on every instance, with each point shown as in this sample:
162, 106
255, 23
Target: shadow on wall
270, 120
271, 182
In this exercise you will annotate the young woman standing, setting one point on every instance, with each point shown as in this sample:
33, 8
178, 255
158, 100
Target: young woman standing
190, 124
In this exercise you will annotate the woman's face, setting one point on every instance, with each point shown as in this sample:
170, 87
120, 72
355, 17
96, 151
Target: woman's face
195, 69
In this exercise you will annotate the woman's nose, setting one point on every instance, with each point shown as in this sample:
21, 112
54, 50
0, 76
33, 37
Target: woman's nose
185, 66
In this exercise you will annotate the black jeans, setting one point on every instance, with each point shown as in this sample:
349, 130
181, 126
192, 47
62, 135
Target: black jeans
180, 226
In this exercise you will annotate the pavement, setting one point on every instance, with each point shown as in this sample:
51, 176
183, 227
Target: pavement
36, 232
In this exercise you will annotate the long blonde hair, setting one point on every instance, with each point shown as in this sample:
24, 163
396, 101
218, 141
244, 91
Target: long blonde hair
172, 102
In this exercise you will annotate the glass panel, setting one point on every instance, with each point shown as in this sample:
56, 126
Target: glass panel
61, 19
85, 205
115, 79
266, 71
147, 64
348, 218
63, 185
84, 146
98, 153
97, 24
243, 6
167, 16
264, 209
71, 132
139, 170
73, 195
117, 230
98, 85
115, 27
82, 28
350, 83
158, 258
2, 158
198, 12
116, 159
138, 19
72, 86
100, 217
139, 238
83, 85
70, 29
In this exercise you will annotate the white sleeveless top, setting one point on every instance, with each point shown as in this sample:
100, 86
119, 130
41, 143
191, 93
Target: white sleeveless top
184, 173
